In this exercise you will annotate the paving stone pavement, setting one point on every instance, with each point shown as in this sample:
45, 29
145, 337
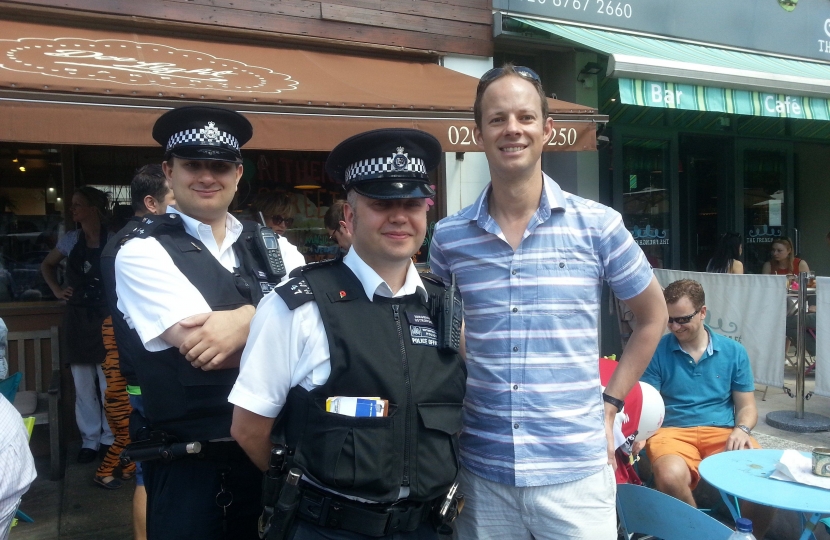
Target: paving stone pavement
77, 509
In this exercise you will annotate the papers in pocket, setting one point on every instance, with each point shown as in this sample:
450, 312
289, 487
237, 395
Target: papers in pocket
357, 406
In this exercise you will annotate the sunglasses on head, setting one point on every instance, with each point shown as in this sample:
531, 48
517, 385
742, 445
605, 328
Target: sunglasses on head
683, 320
521, 71
279, 219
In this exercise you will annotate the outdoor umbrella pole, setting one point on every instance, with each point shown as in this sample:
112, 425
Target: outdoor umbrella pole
803, 279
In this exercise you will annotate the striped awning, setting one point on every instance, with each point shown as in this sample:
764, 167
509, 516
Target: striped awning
663, 73
692, 97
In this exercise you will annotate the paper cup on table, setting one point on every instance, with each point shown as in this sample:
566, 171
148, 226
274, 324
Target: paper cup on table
821, 461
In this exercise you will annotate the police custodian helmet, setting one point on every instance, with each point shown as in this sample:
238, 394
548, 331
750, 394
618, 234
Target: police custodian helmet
386, 163
198, 132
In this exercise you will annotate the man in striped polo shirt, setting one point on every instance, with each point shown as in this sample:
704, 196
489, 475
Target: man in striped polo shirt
529, 259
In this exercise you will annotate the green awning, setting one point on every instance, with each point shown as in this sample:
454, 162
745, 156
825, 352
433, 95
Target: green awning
726, 100
656, 72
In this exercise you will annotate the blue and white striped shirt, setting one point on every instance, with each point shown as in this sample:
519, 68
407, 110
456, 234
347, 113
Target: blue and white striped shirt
533, 412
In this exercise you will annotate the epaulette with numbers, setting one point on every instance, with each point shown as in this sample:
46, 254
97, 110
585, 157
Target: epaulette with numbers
151, 223
295, 292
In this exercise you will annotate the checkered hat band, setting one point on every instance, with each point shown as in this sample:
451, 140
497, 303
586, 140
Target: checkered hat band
192, 137
375, 166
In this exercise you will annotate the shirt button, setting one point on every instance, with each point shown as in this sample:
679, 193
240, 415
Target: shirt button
515, 426
515, 349
515, 310
561, 265
514, 272
515, 387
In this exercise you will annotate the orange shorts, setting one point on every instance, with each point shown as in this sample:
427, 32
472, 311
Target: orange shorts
693, 444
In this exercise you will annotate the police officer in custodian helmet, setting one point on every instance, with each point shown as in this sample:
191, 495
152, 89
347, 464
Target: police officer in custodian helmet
364, 326
188, 283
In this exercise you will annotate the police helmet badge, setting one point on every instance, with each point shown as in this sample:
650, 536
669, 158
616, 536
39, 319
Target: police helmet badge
400, 160
203, 132
211, 131
389, 163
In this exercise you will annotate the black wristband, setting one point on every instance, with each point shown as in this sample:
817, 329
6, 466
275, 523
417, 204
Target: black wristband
618, 403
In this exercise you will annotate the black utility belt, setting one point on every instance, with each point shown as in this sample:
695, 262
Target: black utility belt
161, 446
332, 511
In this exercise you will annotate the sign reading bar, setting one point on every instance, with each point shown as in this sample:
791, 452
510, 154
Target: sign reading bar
725, 100
758, 25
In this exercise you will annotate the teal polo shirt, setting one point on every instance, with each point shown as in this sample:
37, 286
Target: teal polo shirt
699, 394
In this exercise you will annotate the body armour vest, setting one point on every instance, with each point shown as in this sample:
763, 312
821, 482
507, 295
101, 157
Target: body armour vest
384, 348
126, 339
192, 404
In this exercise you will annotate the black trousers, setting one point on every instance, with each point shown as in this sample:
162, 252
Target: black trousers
182, 499
304, 530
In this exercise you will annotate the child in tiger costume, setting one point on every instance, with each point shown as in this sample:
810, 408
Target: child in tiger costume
117, 409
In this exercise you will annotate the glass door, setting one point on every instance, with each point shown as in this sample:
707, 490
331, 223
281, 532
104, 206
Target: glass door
646, 197
708, 202
767, 193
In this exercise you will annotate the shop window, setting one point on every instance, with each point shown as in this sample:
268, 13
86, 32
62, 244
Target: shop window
30, 218
765, 177
646, 201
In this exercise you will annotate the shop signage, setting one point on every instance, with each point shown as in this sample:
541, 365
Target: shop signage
567, 136
762, 234
759, 25
134, 63
726, 100
650, 236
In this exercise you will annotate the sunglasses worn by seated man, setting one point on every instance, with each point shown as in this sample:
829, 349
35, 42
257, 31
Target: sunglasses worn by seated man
683, 320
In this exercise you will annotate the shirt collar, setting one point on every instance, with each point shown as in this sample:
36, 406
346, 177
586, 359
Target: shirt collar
553, 198
374, 284
710, 347
192, 225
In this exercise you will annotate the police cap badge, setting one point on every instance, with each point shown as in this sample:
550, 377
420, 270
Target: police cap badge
388, 163
199, 132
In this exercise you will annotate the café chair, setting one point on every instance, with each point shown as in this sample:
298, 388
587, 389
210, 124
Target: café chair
38, 360
648, 511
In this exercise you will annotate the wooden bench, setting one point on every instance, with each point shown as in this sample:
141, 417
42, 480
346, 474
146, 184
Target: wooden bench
43, 400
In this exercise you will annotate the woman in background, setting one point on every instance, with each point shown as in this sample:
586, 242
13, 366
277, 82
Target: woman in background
783, 260
85, 312
726, 259
277, 210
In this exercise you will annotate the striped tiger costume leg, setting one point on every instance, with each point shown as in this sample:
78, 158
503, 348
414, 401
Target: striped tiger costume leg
116, 406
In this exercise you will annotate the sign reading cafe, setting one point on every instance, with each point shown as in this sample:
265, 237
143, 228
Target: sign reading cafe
138, 64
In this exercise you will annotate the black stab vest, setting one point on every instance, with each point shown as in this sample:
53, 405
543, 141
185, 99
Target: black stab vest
88, 288
189, 403
382, 348
126, 339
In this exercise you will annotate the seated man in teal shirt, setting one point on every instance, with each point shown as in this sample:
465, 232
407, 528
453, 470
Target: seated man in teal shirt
706, 383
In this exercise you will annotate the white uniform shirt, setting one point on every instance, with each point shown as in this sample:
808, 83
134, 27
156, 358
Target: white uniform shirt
290, 347
154, 295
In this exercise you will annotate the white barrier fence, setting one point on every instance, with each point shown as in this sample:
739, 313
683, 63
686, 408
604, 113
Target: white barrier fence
822, 336
752, 310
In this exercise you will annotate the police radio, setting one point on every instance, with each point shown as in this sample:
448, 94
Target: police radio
266, 242
449, 319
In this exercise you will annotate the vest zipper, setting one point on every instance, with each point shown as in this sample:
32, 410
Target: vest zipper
396, 312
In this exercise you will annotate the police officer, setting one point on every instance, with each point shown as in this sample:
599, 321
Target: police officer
360, 326
187, 282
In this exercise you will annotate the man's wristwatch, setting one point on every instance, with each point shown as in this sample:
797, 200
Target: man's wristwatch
744, 429
618, 403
